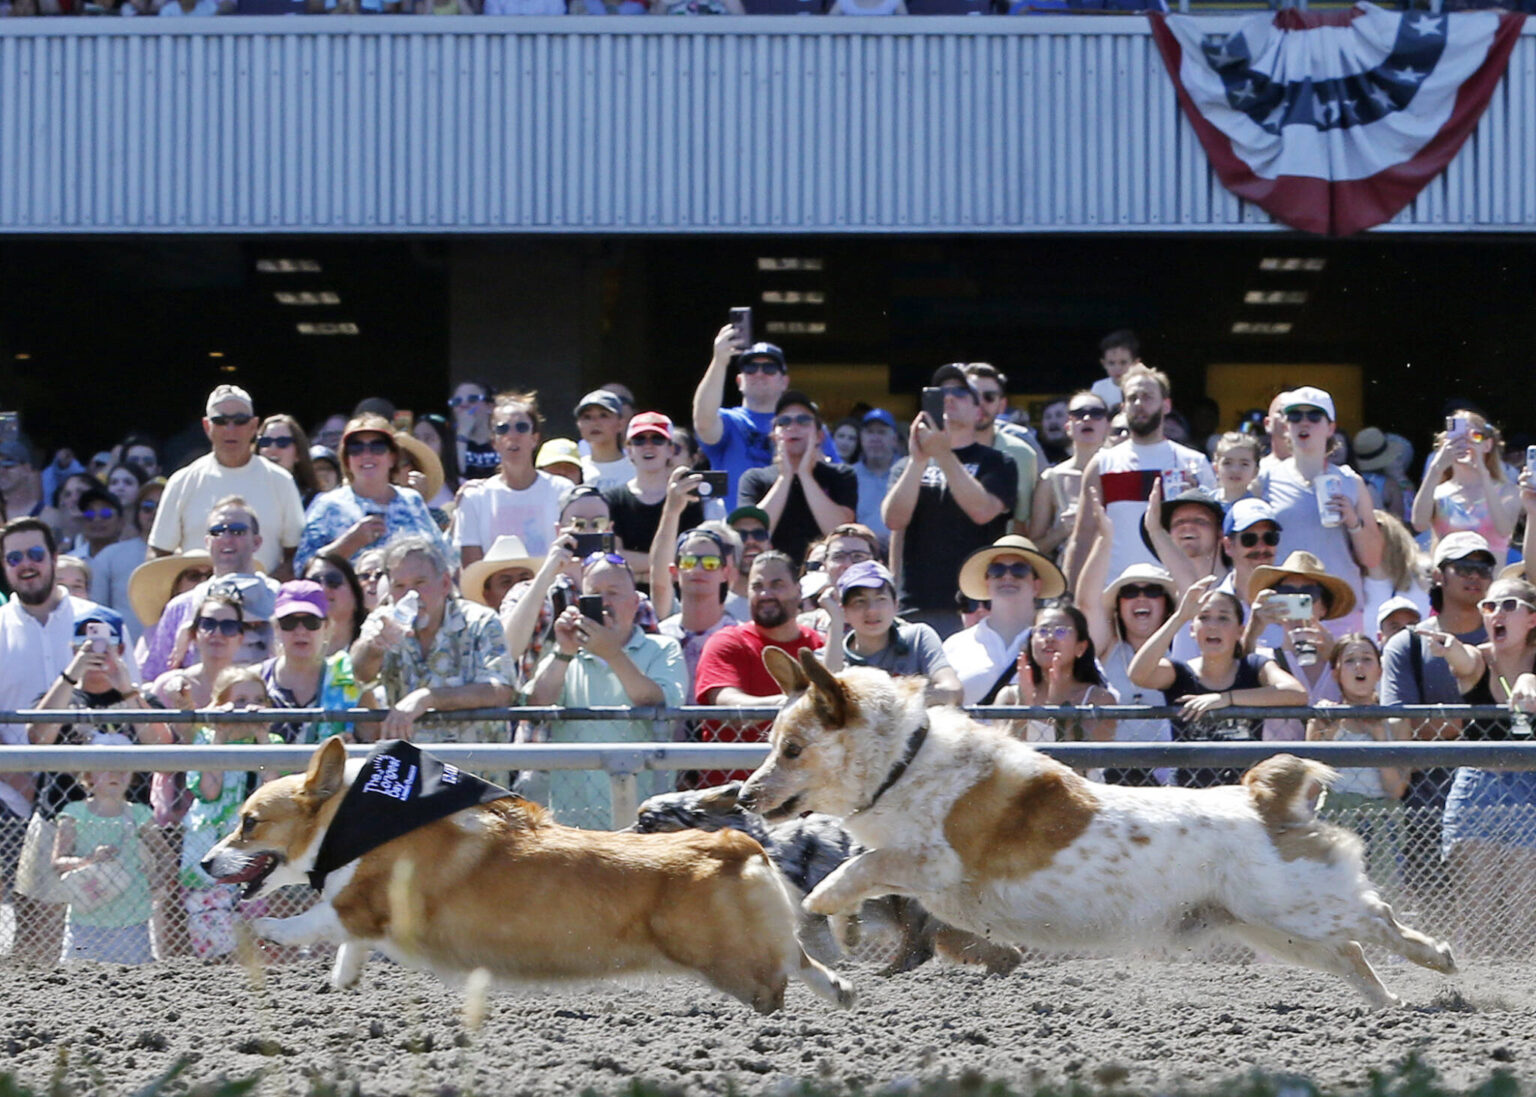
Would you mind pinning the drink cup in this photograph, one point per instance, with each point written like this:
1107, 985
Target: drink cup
1328, 485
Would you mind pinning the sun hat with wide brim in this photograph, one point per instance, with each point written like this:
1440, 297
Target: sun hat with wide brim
507, 551
1303, 565
973, 573
423, 458
149, 587
1140, 574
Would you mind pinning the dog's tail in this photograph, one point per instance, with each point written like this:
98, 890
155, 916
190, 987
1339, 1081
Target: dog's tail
1286, 789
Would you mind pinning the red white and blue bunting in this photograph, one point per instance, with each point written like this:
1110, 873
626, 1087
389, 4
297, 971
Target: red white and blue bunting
1333, 122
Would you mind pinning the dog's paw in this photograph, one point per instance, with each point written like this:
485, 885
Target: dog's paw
271, 929
827, 903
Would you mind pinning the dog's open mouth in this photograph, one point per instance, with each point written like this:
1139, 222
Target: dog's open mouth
787, 810
254, 874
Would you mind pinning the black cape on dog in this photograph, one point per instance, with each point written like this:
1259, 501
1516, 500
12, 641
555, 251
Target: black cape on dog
401, 787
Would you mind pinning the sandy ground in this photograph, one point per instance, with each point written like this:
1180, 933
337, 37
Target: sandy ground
1148, 1026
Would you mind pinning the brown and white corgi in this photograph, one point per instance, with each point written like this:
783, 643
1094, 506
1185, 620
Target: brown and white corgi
502, 887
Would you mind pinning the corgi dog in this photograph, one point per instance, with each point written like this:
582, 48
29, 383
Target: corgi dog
502, 887
997, 838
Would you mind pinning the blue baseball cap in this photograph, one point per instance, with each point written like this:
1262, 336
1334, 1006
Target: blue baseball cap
1246, 513
879, 415
100, 615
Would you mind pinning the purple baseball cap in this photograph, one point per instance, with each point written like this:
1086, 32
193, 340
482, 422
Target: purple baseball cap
866, 573
301, 596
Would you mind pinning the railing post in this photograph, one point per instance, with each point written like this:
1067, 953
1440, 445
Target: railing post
622, 767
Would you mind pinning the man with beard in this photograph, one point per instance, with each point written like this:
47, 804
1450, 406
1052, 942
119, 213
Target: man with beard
1123, 475
1053, 432
731, 670
37, 630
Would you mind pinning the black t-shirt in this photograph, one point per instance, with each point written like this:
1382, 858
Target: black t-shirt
635, 522
1214, 729
797, 526
941, 535
54, 790
480, 461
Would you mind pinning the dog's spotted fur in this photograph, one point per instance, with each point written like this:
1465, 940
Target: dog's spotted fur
996, 838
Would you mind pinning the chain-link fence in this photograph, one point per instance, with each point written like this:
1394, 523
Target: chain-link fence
1449, 827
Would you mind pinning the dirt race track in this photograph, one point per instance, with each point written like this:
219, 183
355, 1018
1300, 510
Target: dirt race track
1145, 1025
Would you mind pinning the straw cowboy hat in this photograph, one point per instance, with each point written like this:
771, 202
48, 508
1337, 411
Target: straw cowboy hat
1303, 565
508, 551
423, 458
973, 573
149, 587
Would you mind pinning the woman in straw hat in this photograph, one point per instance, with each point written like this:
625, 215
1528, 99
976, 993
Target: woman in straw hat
368, 509
1011, 574
1220, 677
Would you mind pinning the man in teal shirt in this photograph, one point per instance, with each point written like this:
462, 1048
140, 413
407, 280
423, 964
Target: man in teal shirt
613, 662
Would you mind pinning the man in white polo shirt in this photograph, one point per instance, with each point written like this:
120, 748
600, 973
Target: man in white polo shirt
231, 469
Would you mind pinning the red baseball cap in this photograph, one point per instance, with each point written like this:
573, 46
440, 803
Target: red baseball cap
649, 422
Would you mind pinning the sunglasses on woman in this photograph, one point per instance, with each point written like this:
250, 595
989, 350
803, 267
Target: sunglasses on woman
1142, 590
1508, 605
1093, 411
306, 621
796, 419
1055, 632
275, 441
1248, 539
470, 400
210, 625
332, 579
1017, 571
377, 447
522, 426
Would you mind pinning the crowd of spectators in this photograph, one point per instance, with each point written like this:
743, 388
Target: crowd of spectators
468, 561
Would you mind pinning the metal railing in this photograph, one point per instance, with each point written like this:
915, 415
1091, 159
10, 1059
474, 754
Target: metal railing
1456, 855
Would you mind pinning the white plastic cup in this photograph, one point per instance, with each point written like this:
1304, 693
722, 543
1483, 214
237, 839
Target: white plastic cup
1328, 485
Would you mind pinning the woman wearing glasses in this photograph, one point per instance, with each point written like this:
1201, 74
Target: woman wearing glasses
1055, 503
520, 499
302, 674
1058, 667
1487, 836
1466, 485
367, 510
283, 442
346, 600
1338, 527
471, 408
215, 632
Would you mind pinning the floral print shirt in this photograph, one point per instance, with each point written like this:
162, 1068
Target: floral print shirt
469, 647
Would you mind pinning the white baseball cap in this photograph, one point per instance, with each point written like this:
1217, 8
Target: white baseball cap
1394, 605
1309, 396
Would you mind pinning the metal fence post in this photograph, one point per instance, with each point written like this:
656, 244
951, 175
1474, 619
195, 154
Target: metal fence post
623, 767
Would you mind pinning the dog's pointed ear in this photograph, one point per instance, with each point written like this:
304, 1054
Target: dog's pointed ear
786, 672
327, 770
832, 701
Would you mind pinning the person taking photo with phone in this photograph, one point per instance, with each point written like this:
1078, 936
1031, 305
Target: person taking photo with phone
1466, 486
602, 657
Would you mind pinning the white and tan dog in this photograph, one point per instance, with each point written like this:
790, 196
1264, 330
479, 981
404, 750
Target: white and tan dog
997, 838
502, 887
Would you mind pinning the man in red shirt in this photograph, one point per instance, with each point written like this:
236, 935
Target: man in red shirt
731, 670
